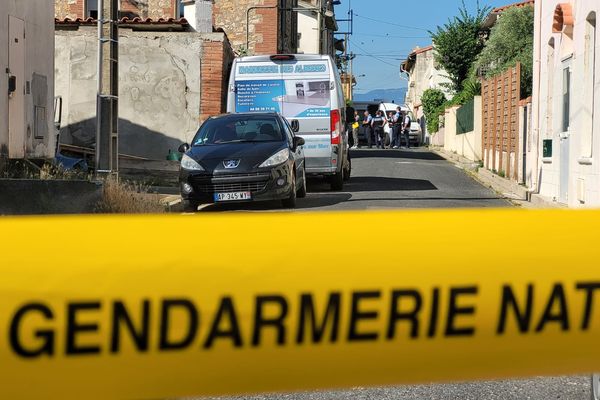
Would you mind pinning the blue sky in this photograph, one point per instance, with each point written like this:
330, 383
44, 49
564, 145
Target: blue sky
377, 34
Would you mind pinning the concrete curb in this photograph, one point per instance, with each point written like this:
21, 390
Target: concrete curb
512, 191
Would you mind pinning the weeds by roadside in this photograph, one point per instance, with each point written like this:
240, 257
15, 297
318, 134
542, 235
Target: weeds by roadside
120, 197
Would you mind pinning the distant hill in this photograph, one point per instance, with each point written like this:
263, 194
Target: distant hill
396, 95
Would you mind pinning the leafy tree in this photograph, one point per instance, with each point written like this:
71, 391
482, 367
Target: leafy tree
458, 43
511, 41
433, 101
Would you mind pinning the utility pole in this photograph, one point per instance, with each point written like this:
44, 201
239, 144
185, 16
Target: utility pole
319, 27
351, 75
107, 100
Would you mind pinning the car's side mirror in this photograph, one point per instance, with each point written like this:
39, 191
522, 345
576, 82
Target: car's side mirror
298, 141
295, 124
183, 148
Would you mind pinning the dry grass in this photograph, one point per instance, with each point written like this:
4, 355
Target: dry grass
128, 198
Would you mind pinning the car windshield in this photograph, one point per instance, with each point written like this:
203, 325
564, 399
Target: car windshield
238, 129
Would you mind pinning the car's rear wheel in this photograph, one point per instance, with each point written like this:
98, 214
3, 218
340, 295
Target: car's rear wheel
190, 206
290, 202
302, 191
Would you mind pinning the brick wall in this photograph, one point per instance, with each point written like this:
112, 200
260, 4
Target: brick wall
265, 36
267, 30
217, 57
131, 8
69, 9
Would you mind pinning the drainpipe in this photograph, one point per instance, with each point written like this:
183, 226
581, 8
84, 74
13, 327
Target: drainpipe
319, 25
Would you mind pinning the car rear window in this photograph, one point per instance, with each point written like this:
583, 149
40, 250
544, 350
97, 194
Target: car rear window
239, 129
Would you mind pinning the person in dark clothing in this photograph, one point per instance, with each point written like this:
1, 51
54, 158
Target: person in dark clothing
366, 123
377, 124
349, 122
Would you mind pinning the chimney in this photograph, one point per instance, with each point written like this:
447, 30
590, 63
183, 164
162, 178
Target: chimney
199, 14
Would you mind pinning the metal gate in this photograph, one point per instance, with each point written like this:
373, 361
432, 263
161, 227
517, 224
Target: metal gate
500, 100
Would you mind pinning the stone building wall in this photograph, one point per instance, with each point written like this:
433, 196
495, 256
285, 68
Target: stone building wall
265, 33
69, 9
168, 83
154, 9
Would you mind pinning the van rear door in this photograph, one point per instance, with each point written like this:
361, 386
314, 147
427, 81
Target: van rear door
307, 99
298, 89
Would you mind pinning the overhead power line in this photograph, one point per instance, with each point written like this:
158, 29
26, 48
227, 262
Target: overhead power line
392, 23
391, 36
366, 53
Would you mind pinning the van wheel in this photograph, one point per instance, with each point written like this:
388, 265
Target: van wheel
290, 202
337, 181
348, 170
302, 191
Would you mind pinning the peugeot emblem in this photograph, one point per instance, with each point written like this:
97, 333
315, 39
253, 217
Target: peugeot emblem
231, 164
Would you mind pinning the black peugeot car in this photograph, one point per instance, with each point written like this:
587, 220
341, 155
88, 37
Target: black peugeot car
243, 157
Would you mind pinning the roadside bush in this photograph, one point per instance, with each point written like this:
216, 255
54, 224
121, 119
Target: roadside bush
433, 101
128, 198
458, 43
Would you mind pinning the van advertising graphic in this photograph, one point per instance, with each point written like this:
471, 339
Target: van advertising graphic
260, 95
303, 90
292, 98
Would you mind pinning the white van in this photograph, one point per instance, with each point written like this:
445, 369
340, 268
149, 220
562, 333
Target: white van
301, 87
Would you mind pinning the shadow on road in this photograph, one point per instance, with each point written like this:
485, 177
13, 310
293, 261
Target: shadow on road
383, 184
414, 154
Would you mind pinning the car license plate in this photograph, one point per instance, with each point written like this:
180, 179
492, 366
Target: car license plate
233, 196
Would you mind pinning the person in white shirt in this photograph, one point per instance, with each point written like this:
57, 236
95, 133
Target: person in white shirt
397, 128
406, 129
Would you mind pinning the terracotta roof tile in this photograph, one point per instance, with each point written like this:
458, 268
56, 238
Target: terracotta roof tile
519, 4
421, 50
124, 21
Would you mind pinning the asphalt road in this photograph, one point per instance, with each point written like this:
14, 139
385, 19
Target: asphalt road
559, 388
415, 178
392, 179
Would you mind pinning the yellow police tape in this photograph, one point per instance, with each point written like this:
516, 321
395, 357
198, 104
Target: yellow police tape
154, 307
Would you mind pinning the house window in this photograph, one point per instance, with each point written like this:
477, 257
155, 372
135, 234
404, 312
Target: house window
91, 9
590, 79
566, 96
180, 9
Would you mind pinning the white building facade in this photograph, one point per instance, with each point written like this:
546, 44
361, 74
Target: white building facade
27, 85
316, 26
566, 103
423, 73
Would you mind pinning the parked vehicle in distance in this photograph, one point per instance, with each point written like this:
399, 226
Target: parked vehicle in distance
415, 135
243, 157
303, 87
361, 107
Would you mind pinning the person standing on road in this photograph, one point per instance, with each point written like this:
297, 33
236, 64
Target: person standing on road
390, 122
367, 127
349, 121
397, 128
406, 128
377, 124
355, 126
